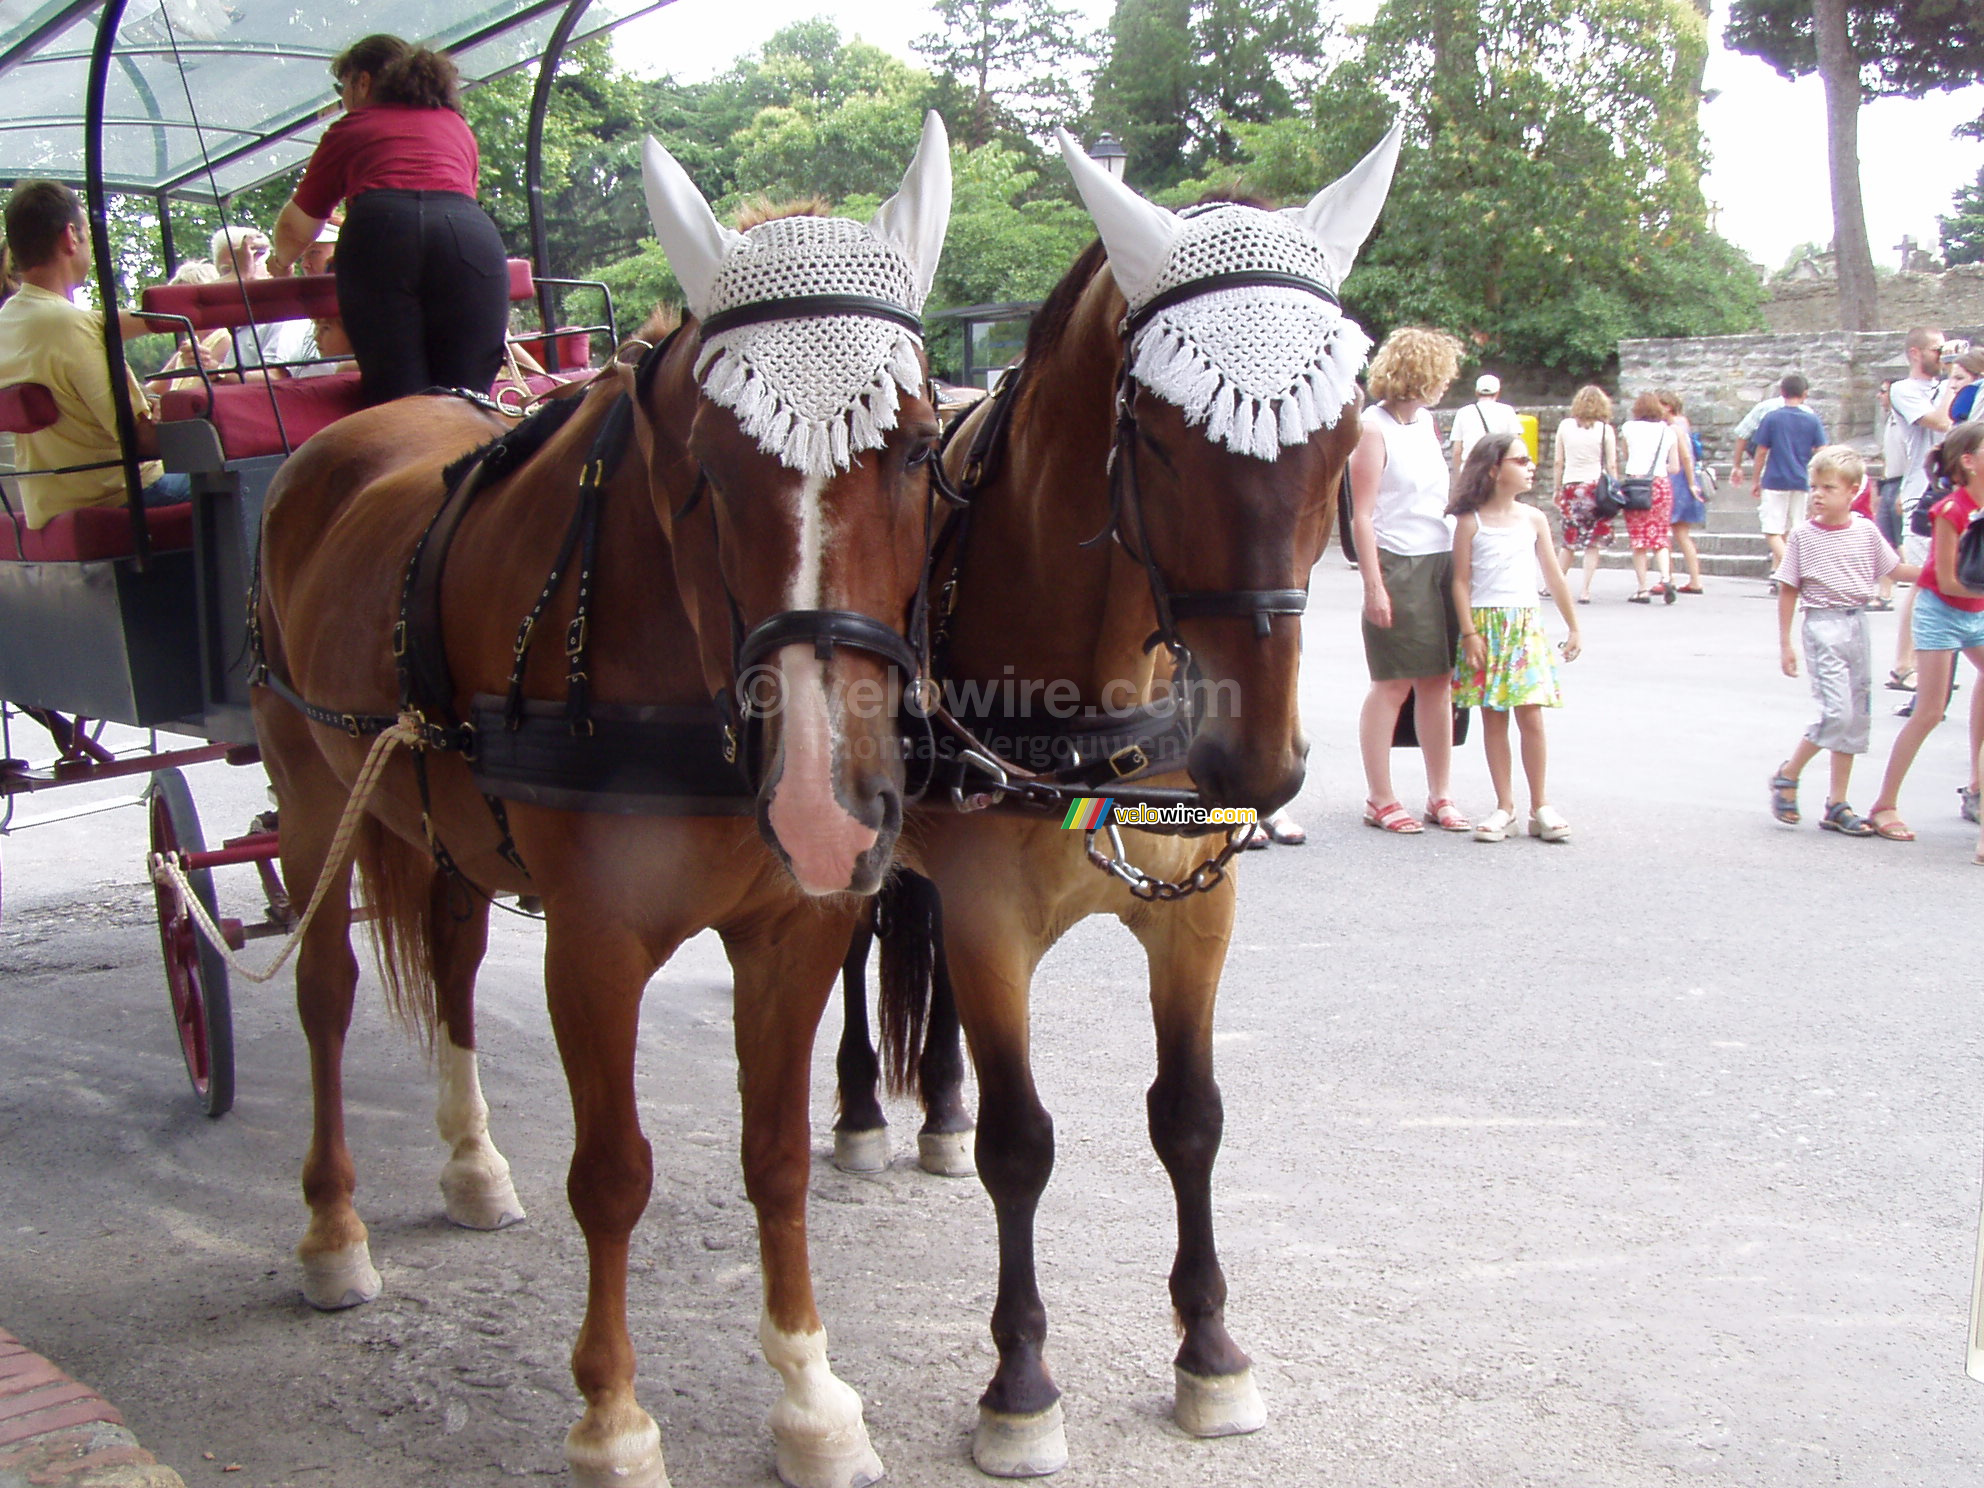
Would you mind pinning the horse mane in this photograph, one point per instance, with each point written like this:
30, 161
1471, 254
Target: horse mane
1051, 319
759, 210
507, 451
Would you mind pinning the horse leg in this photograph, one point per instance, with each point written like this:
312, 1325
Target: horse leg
337, 1262
595, 972
861, 1134
783, 979
1020, 1430
943, 1146
1186, 946
475, 1183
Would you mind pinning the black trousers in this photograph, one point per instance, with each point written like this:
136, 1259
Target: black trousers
424, 290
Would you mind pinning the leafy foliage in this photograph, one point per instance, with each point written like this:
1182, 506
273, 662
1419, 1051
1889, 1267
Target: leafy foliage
1904, 47
1545, 204
1005, 68
1963, 229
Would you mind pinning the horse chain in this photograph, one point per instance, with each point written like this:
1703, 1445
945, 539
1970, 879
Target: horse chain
1208, 876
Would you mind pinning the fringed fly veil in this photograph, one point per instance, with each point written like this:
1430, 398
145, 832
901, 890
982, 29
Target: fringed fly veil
1261, 366
814, 392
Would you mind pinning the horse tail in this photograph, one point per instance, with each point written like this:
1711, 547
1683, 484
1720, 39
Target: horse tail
909, 918
398, 895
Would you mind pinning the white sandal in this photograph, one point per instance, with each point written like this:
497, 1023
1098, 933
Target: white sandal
1548, 823
1494, 827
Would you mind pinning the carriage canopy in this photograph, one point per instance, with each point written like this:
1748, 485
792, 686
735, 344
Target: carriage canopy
206, 98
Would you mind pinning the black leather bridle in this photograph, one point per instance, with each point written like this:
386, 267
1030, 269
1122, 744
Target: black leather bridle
1125, 492
825, 630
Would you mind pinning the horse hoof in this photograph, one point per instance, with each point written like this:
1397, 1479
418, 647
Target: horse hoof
862, 1151
849, 1463
1218, 1405
616, 1448
476, 1201
336, 1279
1020, 1446
947, 1154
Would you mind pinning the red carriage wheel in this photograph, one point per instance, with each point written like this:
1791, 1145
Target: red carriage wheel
195, 973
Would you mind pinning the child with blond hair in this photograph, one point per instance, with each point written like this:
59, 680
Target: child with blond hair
1834, 563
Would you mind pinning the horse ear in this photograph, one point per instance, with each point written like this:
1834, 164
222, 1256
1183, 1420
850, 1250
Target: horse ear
1342, 214
916, 217
1137, 234
690, 235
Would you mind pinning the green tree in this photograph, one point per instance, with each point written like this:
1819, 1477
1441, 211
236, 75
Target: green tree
1143, 91
1543, 205
839, 146
1861, 49
1254, 58
1005, 67
1963, 229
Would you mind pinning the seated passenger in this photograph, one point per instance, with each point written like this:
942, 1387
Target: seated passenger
303, 341
243, 253
207, 350
46, 337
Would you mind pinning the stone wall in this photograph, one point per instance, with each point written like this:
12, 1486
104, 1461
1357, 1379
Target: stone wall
1720, 377
1955, 295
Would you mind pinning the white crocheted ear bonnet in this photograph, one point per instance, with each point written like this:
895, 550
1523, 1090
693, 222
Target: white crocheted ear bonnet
817, 391
1260, 366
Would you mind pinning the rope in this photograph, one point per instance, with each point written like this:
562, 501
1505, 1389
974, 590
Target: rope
168, 870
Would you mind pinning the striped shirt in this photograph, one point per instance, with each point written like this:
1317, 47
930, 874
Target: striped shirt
1836, 568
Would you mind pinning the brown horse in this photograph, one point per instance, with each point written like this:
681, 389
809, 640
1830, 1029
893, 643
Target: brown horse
743, 528
1229, 436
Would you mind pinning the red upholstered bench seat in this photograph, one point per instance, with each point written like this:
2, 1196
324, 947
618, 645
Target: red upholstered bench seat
94, 532
245, 415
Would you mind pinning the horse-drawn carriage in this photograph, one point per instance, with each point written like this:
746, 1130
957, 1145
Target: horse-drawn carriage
791, 620
139, 618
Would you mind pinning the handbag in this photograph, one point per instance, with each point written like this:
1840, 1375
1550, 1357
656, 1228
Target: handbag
1605, 503
1969, 556
1405, 733
1636, 491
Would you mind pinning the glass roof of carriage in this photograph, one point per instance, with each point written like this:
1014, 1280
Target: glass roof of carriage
209, 97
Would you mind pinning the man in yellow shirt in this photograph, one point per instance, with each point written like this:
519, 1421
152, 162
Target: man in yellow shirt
46, 337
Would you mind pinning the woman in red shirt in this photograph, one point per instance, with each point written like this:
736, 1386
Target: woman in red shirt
423, 278
1948, 617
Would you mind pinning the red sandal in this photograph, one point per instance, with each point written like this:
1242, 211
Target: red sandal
1447, 816
1390, 818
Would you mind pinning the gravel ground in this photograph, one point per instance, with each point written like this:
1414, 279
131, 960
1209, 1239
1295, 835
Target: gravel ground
1648, 1159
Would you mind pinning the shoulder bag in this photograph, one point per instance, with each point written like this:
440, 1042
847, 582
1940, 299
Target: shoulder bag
1636, 491
1605, 503
1970, 555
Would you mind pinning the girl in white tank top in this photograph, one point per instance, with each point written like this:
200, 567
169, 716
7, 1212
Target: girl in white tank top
1502, 551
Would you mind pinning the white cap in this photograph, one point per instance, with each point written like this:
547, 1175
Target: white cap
1488, 384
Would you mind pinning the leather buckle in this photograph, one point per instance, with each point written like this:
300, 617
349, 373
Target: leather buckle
399, 638
729, 745
350, 721
1128, 760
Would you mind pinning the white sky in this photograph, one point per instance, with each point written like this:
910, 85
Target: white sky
1766, 136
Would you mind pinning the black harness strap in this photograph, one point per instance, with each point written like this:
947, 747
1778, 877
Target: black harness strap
800, 307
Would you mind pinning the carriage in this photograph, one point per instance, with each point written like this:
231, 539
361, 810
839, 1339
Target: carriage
139, 618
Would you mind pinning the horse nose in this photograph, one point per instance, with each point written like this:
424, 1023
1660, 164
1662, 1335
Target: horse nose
1225, 776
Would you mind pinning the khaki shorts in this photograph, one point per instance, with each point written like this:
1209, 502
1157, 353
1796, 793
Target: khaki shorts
1423, 635
1780, 511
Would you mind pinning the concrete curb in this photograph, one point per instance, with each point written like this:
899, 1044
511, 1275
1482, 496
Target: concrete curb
57, 1431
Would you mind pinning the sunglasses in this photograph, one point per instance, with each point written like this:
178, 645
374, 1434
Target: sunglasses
1521, 459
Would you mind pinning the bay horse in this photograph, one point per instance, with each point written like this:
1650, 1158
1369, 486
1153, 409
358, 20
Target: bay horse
756, 523
1187, 390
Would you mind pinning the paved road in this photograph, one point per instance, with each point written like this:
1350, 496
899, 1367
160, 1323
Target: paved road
1649, 1159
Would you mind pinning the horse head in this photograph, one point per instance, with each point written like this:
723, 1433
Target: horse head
805, 435
1236, 414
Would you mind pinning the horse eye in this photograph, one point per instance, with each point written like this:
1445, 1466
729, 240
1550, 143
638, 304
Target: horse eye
922, 454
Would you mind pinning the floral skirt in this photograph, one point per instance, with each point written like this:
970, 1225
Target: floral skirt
1520, 670
1653, 529
1582, 527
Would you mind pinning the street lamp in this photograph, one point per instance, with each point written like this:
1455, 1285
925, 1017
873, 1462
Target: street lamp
1108, 152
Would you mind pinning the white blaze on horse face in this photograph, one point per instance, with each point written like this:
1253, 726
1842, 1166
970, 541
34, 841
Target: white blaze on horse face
821, 840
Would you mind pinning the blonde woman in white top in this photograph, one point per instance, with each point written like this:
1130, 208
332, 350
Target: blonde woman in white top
1586, 446
1404, 538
